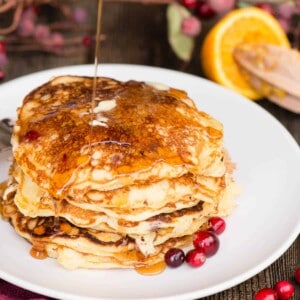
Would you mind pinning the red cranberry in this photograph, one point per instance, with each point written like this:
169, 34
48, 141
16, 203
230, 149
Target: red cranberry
57, 40
196, 257
204, 10
266, 294
2, 47
79, 15
2, 75
32, 135
217, 225
191, 26
285, 290
26, 27
207, 241
297, 275
174, 257
87, 41
3, 59
41, 32
221, 6
266, 7
189, 4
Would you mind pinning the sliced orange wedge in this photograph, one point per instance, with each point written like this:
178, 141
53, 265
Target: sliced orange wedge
245, 25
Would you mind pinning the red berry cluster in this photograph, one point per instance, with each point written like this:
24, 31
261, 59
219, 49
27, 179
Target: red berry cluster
283, 290
205, 9
206, 243
287, 13
53, 41
32, 31
202, 10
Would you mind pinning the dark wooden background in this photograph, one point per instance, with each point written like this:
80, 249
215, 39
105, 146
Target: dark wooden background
136, 34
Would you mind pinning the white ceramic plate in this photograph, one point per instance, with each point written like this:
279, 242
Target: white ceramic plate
264, 224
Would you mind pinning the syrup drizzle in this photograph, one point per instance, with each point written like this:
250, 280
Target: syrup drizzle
56, 215
96, 62
154, 269
93, 105
38, 250
3, 186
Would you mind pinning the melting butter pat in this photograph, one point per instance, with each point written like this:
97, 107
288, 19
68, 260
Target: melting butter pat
98, 123
65, 80
105, 105
158, 86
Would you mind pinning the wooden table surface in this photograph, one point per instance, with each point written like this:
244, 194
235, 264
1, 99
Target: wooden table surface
136, 34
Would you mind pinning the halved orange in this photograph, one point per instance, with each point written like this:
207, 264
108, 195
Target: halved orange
244, 25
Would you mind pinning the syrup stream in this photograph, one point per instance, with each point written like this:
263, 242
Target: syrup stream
94, 89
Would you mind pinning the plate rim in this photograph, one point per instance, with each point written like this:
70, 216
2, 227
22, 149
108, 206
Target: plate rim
204, 292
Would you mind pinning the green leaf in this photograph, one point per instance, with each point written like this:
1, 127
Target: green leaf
181, 44
242, 4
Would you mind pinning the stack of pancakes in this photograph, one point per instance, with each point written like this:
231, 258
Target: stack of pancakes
117, 181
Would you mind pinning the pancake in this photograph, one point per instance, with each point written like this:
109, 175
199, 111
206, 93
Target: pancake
76, 247
116, 183
171, 195
147, 233
140, 133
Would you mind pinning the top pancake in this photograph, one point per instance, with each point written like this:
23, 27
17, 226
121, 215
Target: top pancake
136, 132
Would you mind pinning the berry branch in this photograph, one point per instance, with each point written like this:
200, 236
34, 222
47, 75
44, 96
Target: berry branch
28, 30
18, 6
